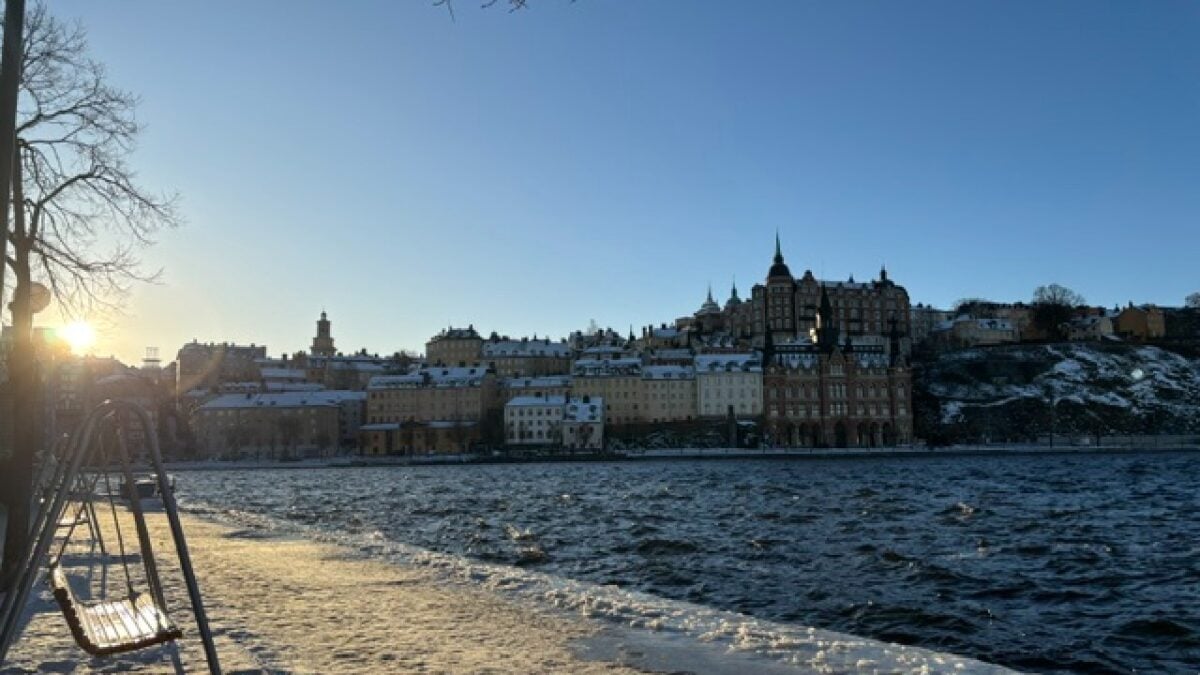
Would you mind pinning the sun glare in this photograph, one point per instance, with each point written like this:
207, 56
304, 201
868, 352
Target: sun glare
79, 335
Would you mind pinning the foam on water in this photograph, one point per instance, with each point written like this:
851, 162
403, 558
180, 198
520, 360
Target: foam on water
658, 632
1052, 564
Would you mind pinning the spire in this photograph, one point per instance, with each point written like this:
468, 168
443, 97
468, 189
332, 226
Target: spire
733, 290
710, 292
779, 269
827, 333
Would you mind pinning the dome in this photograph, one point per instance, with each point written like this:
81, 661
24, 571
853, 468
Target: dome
710, 306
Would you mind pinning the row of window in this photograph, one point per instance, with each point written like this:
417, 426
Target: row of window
537, 412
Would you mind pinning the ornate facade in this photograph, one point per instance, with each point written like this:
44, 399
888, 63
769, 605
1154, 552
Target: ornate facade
822, 391
786, 308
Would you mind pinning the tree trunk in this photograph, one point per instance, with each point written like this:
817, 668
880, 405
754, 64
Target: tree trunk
26, 398
15, 476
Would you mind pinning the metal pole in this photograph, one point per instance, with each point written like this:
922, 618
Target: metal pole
10, 81
185, 559
17, 477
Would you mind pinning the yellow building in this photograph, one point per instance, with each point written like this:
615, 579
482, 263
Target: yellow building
549, 385
419, 438
668, 393
448, 404
1141, 323
454, 347
525, 357
617, 381
287, 424
432, 393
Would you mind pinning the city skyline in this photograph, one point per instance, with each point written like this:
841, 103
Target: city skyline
492, 170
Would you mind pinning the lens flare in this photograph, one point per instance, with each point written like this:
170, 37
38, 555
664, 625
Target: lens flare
79, 335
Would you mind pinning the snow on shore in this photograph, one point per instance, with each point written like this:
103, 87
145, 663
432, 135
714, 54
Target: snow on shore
286, 599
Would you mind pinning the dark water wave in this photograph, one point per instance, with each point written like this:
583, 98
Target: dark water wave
1053, 564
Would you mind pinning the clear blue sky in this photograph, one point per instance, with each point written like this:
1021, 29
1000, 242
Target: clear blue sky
529, 171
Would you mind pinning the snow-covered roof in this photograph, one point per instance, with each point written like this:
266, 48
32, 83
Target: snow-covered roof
673, 353
706, 363
994, 324
665, 332
600, 350
287, 399
668, 373
528, 401
795, 360
295, 386
282, 373
432, 376
526, 349
606, 367
381, 426
545, 381
450, 424
578, 411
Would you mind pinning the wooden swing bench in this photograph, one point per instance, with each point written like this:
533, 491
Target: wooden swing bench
138, 618
113, 626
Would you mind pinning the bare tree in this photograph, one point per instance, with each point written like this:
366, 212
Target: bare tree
1052, 308
79, 213
513, 5
1192, 301
1055, 294
976, 307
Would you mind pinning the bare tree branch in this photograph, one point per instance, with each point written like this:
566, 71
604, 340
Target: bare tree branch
75, 132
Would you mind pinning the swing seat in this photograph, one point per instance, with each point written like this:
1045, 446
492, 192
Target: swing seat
114, 626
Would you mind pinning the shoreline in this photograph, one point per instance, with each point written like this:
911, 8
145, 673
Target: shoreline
682, 454
281, 601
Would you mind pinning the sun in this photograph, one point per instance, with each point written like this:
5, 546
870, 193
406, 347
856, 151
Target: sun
79, 335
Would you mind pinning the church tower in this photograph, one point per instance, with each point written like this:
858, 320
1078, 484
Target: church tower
322, 344
779, 303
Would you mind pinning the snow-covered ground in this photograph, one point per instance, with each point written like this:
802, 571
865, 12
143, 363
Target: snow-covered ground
282, 602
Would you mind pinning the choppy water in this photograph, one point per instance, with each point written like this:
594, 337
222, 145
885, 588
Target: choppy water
1051, 563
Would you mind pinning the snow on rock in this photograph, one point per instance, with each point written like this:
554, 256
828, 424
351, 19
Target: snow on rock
1140, 387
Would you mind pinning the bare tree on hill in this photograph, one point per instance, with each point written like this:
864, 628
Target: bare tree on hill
1053, 307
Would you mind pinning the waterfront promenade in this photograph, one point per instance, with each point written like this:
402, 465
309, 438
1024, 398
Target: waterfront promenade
289, 604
